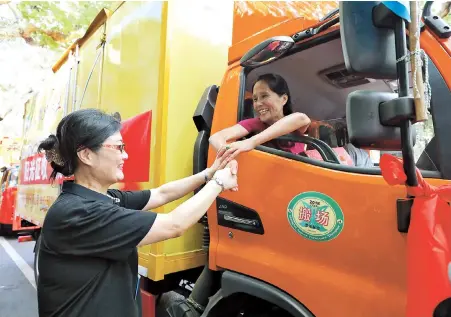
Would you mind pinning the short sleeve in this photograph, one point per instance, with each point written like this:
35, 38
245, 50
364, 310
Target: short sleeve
131, 199
98, 229
252, 125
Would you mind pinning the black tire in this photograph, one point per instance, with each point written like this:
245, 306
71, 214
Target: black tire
176, 305
36, 257
6, 230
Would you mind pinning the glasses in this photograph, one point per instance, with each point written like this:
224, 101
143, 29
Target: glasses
120, 147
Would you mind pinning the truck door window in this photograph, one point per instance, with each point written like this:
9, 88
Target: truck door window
319, 85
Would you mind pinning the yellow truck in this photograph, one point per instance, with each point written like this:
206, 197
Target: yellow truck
150, 63
9, 151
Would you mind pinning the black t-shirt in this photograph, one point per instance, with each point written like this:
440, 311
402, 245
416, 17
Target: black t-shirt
88, 261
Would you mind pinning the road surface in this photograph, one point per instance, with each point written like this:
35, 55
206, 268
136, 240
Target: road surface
17, 289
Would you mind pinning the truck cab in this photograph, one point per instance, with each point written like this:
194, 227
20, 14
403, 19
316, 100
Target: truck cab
306, 235
311, 235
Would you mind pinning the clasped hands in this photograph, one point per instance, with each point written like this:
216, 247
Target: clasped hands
225, 168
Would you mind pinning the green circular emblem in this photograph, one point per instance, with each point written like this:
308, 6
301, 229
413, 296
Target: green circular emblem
315, 216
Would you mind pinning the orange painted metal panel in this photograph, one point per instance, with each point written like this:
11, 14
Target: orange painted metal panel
362, 267
252, 17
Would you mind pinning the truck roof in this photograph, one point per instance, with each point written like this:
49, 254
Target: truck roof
255, 21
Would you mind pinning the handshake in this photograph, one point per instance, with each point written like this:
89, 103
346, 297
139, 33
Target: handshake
225, 169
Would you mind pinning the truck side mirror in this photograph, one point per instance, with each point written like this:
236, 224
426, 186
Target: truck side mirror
267, 51
373, 119
368, 50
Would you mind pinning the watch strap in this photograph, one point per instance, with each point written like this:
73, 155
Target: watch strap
219, 182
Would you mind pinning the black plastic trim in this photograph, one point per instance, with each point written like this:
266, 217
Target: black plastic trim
443, 309
434, 22
242, 93
427, 9
330, 14
383, 17
438, 26
298, 47
327, 25
233, 283
334, 166
238, 217
203, 115
259, 47
322, 147
394, 111
302, 35
200, 151
203, 118
403, 212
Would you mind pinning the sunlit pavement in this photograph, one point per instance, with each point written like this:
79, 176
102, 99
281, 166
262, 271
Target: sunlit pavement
17, 294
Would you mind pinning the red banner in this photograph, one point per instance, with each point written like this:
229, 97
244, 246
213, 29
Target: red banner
428, 240
136, 133
36, 170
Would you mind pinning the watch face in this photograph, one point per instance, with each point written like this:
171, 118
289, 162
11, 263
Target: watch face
219, 181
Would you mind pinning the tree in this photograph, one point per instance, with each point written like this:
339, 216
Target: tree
445, 11
32, 37
55, 24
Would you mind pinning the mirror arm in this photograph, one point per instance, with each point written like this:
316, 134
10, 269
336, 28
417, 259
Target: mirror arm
403, 91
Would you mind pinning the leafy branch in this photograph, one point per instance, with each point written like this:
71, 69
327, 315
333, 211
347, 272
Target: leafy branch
55, 24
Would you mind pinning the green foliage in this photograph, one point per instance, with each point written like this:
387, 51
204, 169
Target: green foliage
448, 19
53, 24
56, 24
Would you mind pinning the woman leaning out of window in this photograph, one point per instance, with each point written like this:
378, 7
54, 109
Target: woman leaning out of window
275, 118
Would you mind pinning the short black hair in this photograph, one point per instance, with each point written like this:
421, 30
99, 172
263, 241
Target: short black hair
85, 128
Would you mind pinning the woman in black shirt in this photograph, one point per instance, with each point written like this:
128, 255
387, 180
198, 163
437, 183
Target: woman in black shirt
88, 259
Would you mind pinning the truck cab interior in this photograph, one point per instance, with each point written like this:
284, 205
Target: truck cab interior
320, 84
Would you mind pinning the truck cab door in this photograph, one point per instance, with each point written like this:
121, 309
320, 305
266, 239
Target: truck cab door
325, 234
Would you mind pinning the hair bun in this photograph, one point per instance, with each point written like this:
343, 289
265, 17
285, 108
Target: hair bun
49, 143
51, 148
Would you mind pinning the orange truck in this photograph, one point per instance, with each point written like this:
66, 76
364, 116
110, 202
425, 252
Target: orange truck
8, 190
305, 235
9, 156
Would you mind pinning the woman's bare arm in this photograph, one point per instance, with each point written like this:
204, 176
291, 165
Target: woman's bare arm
294, 122
220, 138
175, 223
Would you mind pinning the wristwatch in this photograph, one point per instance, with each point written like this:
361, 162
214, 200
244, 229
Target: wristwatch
219, 182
